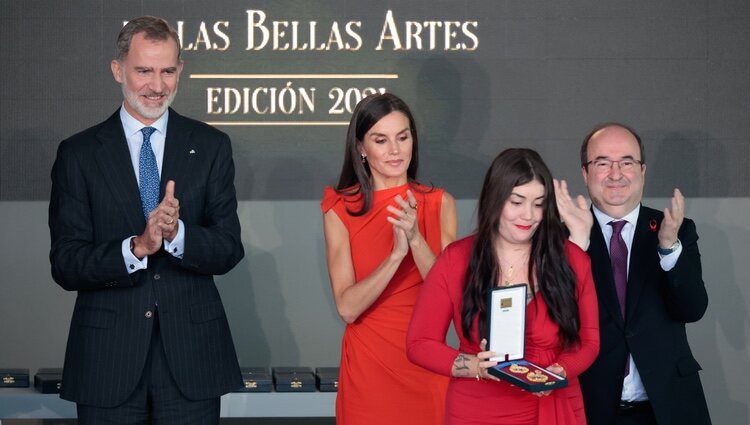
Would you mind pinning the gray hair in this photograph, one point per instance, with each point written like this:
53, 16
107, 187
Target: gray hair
155, 29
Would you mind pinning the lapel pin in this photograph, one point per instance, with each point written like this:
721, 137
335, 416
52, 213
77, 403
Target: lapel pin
652, 225
192, 151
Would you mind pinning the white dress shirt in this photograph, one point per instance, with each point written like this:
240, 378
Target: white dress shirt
134, 137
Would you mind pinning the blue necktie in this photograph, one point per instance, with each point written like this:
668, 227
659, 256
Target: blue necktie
148, 174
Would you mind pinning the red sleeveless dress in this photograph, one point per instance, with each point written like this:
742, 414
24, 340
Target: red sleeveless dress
377, 383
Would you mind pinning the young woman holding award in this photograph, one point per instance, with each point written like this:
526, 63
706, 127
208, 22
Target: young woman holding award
383, 231
519, 241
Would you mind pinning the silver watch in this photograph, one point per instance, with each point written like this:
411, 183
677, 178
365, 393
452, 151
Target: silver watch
671, 249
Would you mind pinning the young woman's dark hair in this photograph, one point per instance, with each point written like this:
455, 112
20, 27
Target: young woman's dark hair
547, 263
355, 178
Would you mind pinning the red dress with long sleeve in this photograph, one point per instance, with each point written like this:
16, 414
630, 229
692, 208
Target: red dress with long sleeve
377, 383
490, 402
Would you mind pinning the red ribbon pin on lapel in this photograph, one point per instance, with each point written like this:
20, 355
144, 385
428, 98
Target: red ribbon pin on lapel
652, 225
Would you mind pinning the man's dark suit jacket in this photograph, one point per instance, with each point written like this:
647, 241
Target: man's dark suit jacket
95, 204
658, 305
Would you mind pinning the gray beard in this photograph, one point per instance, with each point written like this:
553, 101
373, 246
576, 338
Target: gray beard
150, 113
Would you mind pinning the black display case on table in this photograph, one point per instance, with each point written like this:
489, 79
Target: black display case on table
255, 380
48, 380
293, 379
14, 378
327, 379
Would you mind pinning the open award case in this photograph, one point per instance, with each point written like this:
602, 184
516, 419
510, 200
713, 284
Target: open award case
506, 315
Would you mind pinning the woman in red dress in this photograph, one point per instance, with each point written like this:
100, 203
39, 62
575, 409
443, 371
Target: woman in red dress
383, 231
519, 240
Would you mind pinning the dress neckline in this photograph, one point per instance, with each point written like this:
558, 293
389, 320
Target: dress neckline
390, 191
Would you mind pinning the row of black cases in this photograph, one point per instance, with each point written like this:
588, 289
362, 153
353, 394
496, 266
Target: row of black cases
290, 379
255, 379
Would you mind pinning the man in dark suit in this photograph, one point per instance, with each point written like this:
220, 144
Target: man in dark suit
647, 271
149, 339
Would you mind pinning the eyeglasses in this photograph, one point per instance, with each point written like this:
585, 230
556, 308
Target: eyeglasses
602, 165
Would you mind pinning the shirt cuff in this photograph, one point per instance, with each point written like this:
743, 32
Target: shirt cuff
668, 261
132, 263
176, 248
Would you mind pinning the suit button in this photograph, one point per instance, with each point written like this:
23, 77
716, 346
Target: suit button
149, 314
157, 276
